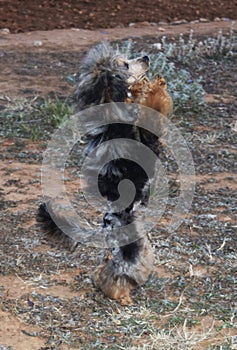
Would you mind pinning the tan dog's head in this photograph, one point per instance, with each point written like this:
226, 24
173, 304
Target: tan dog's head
137, 69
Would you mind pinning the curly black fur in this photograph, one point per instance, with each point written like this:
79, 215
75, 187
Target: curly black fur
103, 78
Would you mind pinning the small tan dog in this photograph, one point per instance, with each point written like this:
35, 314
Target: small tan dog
152, 94
148, 93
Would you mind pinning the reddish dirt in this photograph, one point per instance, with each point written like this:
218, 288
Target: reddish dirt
34, 272
28, 15
31, 69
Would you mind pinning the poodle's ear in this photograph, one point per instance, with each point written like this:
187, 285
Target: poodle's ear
94, 90
101, 79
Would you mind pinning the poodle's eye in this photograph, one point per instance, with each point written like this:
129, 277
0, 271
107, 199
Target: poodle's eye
126, 65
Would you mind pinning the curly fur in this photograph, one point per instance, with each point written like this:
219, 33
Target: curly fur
104, 77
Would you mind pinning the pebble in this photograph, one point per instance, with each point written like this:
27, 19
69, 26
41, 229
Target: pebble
181, 21
4, 31
195, 21
38, 43
157, 46
207, 216
142, 24
203, 20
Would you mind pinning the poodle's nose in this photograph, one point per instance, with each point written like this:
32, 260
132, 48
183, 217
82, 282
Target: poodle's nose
145, 59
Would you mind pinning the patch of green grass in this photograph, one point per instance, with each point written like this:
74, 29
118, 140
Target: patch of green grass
33, 118
56, 112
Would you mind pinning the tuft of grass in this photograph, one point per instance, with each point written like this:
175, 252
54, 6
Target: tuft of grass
185, 50
56, 112
34, 118
148, 332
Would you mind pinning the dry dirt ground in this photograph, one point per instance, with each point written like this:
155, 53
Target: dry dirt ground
47, 297
20, 15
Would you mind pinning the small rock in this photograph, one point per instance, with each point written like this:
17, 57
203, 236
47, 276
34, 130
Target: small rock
211, 216
203, 20
181, 21
4, 31
38, 43
141, 24
217, 19
157, 46
161, 29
